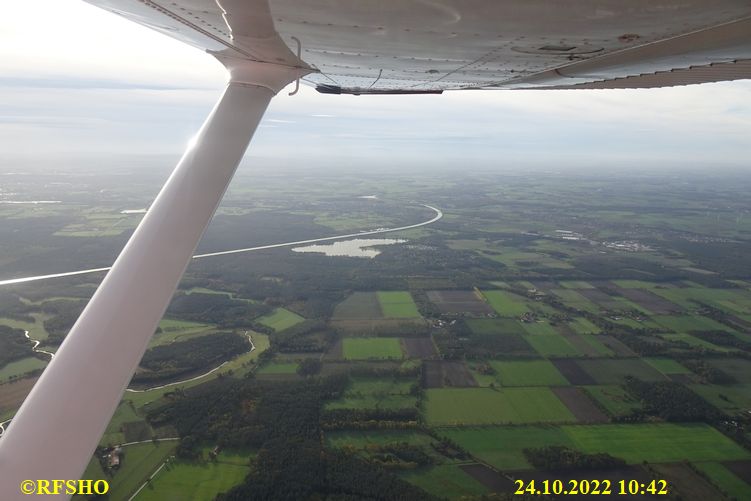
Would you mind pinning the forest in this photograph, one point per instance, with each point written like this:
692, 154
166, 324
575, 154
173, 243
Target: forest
183, 357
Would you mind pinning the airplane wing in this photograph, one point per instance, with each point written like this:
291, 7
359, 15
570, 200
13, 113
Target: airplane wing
340, 47
436, 45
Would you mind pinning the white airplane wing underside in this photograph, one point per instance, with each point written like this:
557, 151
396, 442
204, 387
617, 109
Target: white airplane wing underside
435, 45
339, 46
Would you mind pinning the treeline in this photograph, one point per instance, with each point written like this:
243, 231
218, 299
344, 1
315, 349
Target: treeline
647, 347
399, 455
722, 338
365, 419
560, 458
722, 317
13, 345
175, 359
671, 401
382, 371
218, 309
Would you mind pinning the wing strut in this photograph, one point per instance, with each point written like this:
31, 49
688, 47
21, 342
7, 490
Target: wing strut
57, 428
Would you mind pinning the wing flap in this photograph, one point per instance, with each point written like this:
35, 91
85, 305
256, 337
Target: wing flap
716, 72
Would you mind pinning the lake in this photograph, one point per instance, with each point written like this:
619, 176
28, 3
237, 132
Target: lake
358, 247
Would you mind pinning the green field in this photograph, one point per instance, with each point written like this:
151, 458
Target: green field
731, 300
739, 368
444, 481
539, 328
593, 340
374, 393
138, 463
371, 348
181, 480
502, 446
369, 386
359, 305
581, 325
363, 439
694, 341
613, 371
281, 319
474, 406
391, 402
573, 299
522, 259
732, 399
178, 330
528, 373
725, 480
552, 346
615, 399
397, 304
656, 443
639, 284
20, 367
687, 323
506, 304
667, 365
576, 284
278, 368
125, 413
494, 326
36, 329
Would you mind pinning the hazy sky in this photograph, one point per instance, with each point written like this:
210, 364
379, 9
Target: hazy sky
75, 79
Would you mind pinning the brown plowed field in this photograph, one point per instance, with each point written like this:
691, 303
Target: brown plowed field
649, 300
692, 486
457, 301
573, 372
438, 374
742, 469
13, 394
577, 341
419, 347
336, 352
580, 405
620, 349
432, 374
490, 478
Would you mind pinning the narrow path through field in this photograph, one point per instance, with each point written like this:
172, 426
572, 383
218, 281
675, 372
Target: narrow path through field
438, 215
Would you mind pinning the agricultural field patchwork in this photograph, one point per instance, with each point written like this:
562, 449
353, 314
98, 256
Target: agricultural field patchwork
513, 322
